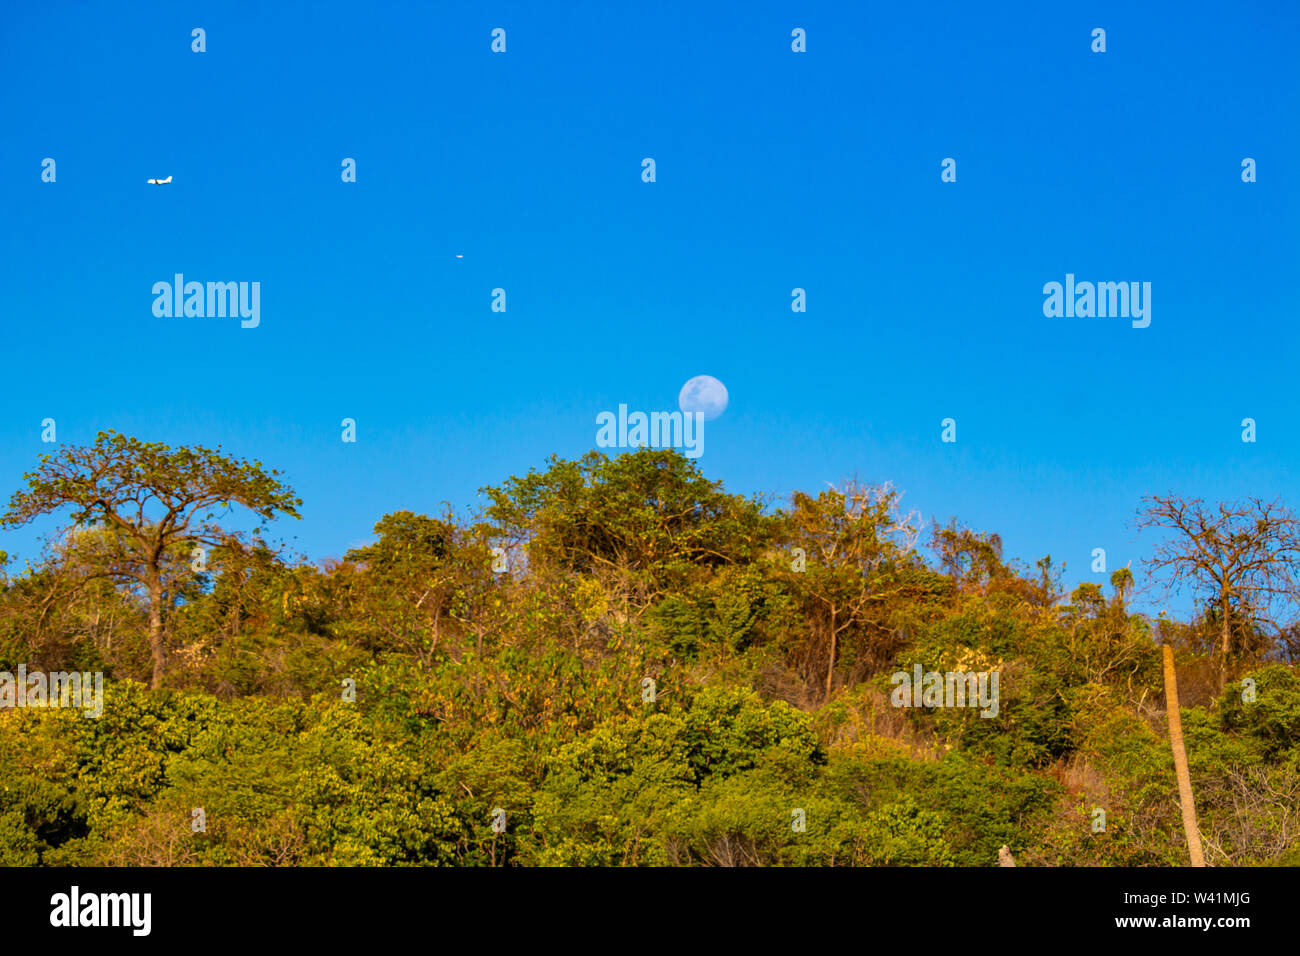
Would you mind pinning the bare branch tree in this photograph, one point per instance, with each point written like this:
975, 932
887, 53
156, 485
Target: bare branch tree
1243, 558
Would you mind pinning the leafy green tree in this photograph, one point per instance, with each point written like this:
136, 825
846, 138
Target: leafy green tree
644, 522
154, 502
860, 556
413, 586
971, 558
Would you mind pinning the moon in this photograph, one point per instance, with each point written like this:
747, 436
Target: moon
703, 393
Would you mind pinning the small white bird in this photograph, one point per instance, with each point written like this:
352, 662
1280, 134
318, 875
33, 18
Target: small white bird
459, 256
159, 182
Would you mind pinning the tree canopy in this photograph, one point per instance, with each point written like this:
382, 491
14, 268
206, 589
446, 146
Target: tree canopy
619, 662
149, 500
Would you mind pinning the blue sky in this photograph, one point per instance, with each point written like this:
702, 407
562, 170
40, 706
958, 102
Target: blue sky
775, 170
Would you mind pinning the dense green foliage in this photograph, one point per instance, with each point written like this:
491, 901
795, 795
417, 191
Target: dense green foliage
663, 674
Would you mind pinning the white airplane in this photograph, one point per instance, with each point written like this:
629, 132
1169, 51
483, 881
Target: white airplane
159, 182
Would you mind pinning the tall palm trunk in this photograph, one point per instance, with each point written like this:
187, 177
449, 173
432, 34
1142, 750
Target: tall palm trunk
1180, 760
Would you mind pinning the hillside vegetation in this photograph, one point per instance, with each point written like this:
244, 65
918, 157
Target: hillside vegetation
636, 666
